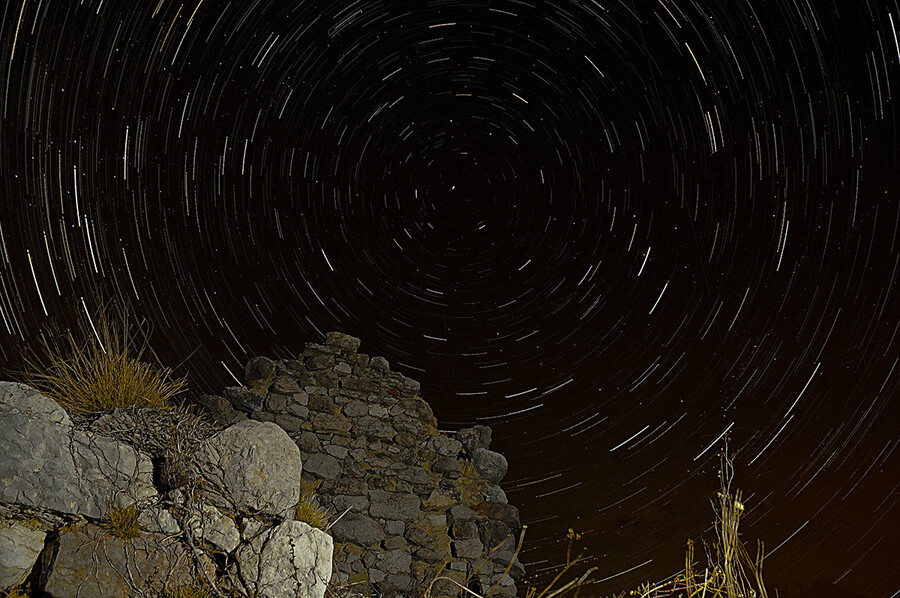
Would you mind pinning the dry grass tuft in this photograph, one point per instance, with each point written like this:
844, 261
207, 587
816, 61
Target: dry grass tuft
308, 510
103, 371
122, 522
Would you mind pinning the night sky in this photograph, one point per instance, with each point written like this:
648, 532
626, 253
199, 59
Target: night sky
615, 231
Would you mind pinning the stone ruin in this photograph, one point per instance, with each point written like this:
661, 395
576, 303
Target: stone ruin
415, 504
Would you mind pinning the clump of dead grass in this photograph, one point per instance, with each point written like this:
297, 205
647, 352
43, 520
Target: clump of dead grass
122, 522
308, 510
105, 364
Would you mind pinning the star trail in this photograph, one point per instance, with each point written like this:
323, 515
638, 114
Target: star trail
618, 232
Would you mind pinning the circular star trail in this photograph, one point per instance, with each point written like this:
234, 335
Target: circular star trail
616, 232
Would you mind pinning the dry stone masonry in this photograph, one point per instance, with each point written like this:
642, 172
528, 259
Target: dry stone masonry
415, 503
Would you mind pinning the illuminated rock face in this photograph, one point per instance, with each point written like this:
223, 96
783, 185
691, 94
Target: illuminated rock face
414, 498
81, 513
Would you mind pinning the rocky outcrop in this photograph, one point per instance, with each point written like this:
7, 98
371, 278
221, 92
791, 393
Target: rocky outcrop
47, 463
84, 513
411, 503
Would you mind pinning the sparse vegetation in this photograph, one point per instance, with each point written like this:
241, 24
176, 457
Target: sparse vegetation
122, 522
103, 370
308, 510
730, 573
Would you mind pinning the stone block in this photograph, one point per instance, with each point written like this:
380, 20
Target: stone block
342, 342
359, 529
325, 422
393, 505
323, 466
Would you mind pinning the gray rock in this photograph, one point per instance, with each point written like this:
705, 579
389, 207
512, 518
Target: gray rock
321, 402
276, 403
378, 411
395, 528
343, 368
326, 422
462, 513
470, 548
355, 486
289, 423
243, 400
404, 583
298, 410
436, 520
415, 475
262, 416
250, 528
299, 398
292, 559
357, 528
447, 465
496, 532
474, 438
259, 371
407, 384
375, 428
492, 466
394, 561
318, 362
342, 502
207, 523
344, 342
503, 557
88, 562
444, 445
501, 512
309, 442
20, 547
323, 466
379, 363
157, 520
221, 410
252, 467
429, 556
339, 452
464, 530
394, 543
495, 493
406, 423
48, 464
355, 409
393, 505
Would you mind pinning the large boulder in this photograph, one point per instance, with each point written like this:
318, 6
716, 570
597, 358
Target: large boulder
49, 464
252, 467
292, 559
89, 562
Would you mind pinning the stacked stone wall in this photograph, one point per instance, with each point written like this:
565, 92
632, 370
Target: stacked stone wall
416, 503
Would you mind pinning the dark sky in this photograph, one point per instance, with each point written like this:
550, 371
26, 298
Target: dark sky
615, 231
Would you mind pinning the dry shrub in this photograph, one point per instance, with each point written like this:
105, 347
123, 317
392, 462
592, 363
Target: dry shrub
101, 367
122, 522
308, 510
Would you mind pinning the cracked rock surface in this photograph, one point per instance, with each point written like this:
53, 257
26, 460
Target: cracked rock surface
80, 514
292, 559
252, 467
47, 463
